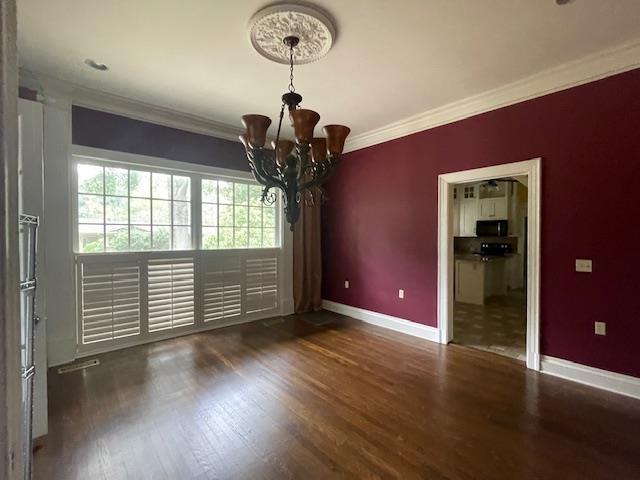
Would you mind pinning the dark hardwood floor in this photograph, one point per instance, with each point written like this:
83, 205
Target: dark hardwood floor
280, 400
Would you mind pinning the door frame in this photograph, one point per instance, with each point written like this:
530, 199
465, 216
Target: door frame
530, 168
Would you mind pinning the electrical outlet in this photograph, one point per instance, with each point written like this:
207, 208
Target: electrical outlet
583, 265
346, 284
400, 293
601, 328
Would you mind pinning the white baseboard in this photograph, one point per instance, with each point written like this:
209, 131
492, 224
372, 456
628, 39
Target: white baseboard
385, 321
594, 377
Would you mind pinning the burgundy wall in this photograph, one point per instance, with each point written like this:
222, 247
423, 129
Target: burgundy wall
92, 128
380, 223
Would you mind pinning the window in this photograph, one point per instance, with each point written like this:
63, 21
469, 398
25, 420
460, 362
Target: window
122, 209
177, 251
130, 209
233, 216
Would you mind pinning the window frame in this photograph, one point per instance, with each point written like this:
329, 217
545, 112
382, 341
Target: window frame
196, 173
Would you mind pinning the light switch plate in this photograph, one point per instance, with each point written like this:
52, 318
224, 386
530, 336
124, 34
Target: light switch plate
583, 265
601, 328
346, 284
400, 293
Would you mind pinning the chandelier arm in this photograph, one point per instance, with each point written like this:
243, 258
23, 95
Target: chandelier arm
328, 169
303, 159
256, 173
270, 179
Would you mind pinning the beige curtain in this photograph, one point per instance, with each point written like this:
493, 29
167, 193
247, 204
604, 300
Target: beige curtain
307, 259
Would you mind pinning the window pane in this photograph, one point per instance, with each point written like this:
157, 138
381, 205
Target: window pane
225, 215
140, 237
117, 238
209, 191
209, 214
255, 217
241, 195
226, 237
255, 237
225, 192
140, 183
210, 238
90, 179
269, 237
255, 195
91, 208
181, 188
182, 213
90, 238
161, 212
241, 217
116, 181
181, 238
116, 209
241, 238
269, 217
161, 238
161, 185
140, 211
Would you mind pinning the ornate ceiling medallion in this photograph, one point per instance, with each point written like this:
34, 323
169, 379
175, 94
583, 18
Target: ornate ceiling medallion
313, 28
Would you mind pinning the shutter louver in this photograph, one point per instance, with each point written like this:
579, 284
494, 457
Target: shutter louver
170, 293
222, 288
110, 301
261, 284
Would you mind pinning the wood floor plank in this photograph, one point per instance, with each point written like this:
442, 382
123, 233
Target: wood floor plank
290, 400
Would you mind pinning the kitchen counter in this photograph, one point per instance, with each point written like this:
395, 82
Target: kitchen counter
477, 257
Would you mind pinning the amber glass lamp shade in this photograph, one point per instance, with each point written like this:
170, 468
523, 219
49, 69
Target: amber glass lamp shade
283, 149
304, 121
336, 135
318, 149
256, 126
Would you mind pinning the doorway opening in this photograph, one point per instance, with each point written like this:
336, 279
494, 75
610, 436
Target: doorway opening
488, 259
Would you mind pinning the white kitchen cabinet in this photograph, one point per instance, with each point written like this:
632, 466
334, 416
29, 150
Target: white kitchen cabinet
456, 213
493, 209
469, 282
476, 280
467, 218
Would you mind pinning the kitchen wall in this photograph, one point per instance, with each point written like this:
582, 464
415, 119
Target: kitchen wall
380, 222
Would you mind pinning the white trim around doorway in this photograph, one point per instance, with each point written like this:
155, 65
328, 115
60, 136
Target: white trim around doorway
530, 168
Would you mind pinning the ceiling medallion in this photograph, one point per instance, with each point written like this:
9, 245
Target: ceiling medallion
300, 168
314, 30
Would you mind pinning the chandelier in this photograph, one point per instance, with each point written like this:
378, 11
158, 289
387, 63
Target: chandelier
297, 168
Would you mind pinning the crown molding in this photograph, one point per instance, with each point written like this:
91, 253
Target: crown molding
578, 72
50, 88
584, 70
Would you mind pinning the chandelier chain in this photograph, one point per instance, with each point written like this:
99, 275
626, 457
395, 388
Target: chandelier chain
291, 87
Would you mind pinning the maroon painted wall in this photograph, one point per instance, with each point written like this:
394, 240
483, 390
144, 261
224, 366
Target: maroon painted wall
380, 223
92, 128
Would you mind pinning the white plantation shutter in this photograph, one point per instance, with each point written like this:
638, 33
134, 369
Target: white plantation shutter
261, 284
222, 287
170, 293
109, 300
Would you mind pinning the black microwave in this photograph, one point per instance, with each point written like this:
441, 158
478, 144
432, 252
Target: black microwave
492, 228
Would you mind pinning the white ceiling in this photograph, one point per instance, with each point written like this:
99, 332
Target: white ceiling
391, 58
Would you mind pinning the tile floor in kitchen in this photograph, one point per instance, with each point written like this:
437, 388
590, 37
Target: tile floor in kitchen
499, 326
